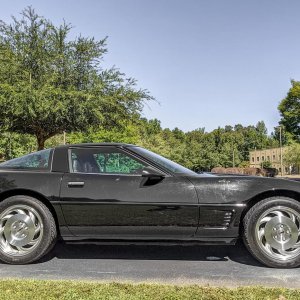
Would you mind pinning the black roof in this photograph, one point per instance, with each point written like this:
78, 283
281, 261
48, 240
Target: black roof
95, 145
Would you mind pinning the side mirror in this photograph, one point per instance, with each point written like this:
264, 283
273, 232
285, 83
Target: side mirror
151, 173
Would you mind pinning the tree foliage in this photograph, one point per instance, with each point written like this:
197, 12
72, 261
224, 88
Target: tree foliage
289, 109
50, 83
292, 155
197, 149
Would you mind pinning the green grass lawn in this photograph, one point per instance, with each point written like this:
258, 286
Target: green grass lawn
40, 289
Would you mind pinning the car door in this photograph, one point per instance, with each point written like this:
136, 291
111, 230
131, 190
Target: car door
105, 195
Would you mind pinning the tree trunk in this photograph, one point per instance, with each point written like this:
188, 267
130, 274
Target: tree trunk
40, 142
42, 138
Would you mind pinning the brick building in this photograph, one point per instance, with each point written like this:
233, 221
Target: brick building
257, 157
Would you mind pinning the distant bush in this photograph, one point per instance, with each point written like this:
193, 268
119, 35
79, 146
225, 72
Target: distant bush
267, 172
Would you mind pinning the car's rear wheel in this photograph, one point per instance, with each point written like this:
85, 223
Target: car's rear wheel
272, 232
27, 230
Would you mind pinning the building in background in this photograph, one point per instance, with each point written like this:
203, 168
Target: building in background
273, 156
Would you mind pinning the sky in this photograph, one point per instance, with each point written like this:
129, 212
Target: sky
208, 63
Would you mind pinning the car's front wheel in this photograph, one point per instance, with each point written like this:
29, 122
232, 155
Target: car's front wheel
27, 230
272, 232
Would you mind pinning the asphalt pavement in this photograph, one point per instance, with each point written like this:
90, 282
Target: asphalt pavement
206, 265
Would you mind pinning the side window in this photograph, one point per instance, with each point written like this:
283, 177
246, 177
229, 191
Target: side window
106, 160
38, 161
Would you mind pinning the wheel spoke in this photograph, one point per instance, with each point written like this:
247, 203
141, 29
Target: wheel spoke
261, 233
292, 216
265, 220
297, 245
4, 242
19, 249
22, 249
20, 211
282, 252
32, 217
278, 213
268, 247
32, 243
5, 218
8, 247
37, 229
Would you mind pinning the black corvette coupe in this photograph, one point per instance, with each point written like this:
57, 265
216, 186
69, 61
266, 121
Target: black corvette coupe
124, 192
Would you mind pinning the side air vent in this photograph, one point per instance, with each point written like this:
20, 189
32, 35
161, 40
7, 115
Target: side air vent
214, 218
227, 218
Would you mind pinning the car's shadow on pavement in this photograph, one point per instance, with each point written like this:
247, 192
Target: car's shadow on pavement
237, 253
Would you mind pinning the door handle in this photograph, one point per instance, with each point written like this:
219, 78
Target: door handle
76, 184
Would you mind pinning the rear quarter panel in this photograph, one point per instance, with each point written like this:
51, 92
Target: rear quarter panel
44, 184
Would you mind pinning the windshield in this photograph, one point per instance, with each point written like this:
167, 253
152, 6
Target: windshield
36, 161
162, 161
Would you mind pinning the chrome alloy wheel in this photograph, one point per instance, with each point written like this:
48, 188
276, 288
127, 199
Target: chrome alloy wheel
21, 230
277, 233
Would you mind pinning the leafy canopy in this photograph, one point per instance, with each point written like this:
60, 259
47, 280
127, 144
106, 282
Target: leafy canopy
197, 149
50, 83
289, 109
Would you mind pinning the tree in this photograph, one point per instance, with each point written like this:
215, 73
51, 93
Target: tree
289, 109
281, 133
198, 150
266, 164
50, 83
14, 145
261, 128
292, 155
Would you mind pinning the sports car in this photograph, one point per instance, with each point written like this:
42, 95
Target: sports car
121, 192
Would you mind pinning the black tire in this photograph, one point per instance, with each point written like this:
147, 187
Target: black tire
46, 235
255, 220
